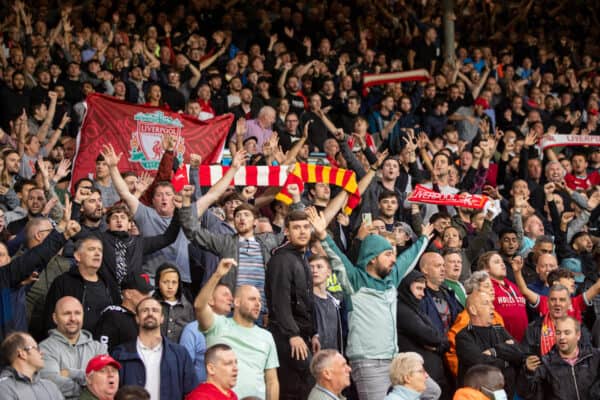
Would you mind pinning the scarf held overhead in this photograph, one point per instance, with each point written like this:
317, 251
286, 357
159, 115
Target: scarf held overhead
421, 194
261, 175
393, 77
316, 173
569, 140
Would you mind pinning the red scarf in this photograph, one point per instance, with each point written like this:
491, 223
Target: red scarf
548, 335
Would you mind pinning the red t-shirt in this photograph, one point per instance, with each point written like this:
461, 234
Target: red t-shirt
576, 183
510, 304
577, 307
208, 391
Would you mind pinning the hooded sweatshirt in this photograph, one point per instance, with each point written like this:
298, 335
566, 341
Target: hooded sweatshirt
14, 385
177, 315
59, 354
373, 300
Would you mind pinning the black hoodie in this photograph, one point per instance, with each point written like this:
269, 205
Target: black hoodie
417, 333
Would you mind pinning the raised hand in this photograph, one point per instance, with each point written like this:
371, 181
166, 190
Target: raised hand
110, 156
549, 189
381, 157
427, 230
143, 183
50, 205
240, 126
249, 192
239, 159
64, 167
72, 229
305, 130
195, 160
224, 266
517, 264
531, 138
317, 220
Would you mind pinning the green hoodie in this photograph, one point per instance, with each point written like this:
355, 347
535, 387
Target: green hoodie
372, 319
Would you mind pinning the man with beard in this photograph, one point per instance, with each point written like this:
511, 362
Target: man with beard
36, 201
69, 348
372, 283
254, 346
251, 252
569, 371
164, 368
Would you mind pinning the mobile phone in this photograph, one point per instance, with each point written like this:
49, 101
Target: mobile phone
367, 219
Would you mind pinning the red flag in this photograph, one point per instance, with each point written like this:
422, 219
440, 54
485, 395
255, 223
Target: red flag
137, 131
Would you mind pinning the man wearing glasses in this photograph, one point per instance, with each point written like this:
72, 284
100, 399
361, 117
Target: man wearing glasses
21, 379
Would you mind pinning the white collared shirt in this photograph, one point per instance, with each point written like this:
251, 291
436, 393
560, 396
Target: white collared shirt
151, 358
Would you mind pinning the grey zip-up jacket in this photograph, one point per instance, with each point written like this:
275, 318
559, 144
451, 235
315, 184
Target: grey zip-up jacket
59, 354
225, 246
14, 386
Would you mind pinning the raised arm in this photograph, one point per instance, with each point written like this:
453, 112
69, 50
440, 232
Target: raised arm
204, 314
43, 131
215, 192
112, 159
531, 296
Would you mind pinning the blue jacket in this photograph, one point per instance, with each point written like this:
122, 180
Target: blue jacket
177, 374
428, 307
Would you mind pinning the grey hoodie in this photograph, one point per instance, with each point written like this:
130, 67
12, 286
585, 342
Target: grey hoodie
14, 386
59, 354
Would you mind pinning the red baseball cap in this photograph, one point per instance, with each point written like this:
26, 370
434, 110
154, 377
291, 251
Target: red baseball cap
101, 361
482, 102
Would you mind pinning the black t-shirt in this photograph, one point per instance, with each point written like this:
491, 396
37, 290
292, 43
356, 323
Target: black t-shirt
96, 297
425, 54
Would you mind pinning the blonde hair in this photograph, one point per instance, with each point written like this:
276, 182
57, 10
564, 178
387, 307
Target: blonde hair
403, 365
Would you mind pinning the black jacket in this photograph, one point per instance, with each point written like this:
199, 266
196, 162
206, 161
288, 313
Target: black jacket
288, 288
555, 379
533, 335
471, 342
417, 333
137, 248
71, 283
116, 326
20, 268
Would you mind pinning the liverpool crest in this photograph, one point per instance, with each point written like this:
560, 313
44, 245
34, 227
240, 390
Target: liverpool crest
146, 141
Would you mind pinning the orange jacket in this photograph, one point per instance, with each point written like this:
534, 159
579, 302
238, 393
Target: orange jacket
462, 320
468, 393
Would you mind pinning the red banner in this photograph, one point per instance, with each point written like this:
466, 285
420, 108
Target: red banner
137, 131
421, 194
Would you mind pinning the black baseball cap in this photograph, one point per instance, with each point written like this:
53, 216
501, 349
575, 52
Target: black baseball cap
139, 282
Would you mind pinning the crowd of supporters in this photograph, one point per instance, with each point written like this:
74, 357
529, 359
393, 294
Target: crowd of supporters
116, 286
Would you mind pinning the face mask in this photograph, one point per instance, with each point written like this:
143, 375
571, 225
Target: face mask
495, 395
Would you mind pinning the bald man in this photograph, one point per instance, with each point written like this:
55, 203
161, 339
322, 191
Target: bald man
254, 346
69, 348
439, 303
545, 264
